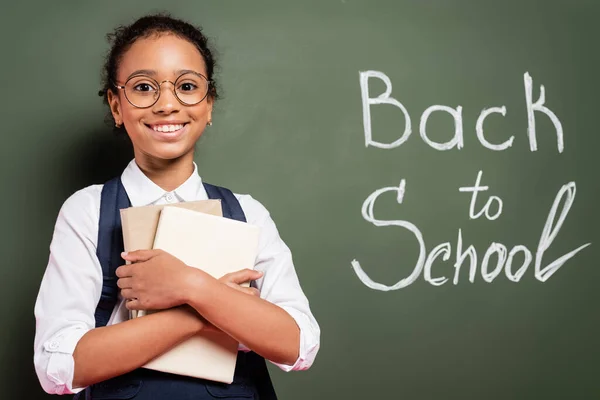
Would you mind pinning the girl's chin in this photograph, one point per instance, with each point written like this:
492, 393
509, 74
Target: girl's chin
163, 151
170, 152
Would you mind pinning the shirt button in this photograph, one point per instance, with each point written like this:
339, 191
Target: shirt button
53, 345
169, 197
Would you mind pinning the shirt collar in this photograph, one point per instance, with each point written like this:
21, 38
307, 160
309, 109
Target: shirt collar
142, 191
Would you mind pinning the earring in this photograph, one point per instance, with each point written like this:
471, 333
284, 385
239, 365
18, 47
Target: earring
209, 123
118, 125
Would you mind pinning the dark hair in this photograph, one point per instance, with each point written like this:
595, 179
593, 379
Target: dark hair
124, 36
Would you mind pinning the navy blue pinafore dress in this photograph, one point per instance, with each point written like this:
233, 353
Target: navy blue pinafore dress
251, 379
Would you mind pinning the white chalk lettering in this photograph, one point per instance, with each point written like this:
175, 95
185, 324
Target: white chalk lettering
367, 213
516, 277
549, 234
456, 141
497, 258
433, 254
460, 258
479, 129
500, 250
539, 106
486, 209
503, 262
383, 98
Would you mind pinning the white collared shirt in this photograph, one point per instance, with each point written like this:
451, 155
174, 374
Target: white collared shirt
72, 283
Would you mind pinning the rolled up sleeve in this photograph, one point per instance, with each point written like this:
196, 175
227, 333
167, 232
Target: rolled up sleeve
280, 285
68, 294
309, 341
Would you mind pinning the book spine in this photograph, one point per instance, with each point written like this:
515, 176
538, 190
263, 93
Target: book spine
157, 235
127, 247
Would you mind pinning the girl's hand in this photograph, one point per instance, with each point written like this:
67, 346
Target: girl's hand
155, 280
235, 279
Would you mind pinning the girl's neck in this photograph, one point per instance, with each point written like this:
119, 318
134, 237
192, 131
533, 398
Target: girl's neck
167, 174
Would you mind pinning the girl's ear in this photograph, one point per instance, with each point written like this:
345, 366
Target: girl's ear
115, 107
210, 109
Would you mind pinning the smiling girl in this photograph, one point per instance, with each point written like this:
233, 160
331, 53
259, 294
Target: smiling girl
160, 88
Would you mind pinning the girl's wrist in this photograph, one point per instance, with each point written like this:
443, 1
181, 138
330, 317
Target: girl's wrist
194, 281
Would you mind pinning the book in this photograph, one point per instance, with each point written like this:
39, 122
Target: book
139, 226
139, 223
218, 246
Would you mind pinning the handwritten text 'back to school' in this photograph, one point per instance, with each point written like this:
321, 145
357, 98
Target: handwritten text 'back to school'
497, 258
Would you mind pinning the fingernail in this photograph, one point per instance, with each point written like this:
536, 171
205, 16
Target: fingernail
124, 254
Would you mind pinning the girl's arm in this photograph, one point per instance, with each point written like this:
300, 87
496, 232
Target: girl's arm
109, 351
69, 352
158, 280
277, 325
262, 326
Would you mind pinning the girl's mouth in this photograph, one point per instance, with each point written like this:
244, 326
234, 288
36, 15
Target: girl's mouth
166, 128
167, 131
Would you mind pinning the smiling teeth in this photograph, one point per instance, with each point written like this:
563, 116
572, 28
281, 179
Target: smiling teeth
167, 128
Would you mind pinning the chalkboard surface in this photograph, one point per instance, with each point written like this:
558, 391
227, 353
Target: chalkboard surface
431, 164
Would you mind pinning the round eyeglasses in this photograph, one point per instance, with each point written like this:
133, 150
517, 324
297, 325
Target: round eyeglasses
143, 91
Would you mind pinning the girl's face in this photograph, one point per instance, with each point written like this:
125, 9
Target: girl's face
168, 129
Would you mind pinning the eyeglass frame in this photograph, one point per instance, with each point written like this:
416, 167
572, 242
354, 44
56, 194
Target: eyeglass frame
159, 85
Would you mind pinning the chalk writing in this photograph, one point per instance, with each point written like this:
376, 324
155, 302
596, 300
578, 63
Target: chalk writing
457, 140
486, 209
503, 263
497, 258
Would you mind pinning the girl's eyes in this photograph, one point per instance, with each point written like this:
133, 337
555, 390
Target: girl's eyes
143, 87
187, 87
146, 87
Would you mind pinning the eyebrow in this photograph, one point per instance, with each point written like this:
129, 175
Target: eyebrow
187, 71
151, 72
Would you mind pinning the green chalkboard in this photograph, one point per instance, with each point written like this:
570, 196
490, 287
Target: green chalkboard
301, 81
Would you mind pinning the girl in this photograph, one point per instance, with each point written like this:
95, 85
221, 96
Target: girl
159, 86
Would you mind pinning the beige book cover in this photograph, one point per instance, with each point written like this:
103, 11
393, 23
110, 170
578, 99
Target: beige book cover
139, 223
218, 246
139, 226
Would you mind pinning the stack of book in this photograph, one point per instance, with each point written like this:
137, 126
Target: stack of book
198, 235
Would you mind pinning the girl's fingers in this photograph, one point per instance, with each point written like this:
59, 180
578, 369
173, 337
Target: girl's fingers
127, 294
139, 255
124, 283
248, 290
132, 304
242, 276
124, 271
